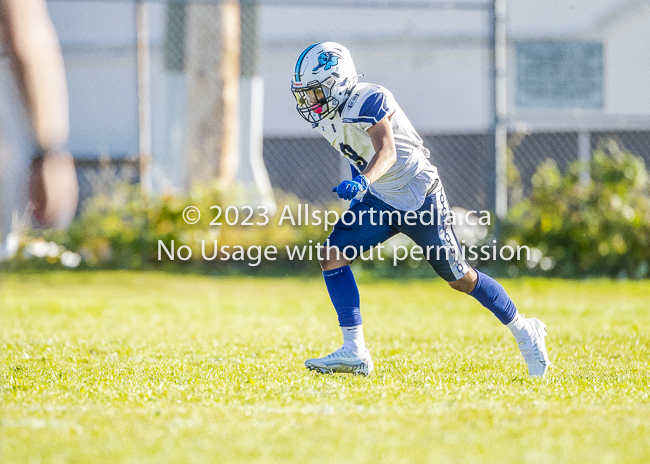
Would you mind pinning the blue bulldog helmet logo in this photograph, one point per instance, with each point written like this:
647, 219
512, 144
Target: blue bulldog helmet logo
327, 60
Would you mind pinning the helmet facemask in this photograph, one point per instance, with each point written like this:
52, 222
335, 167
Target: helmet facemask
315, 100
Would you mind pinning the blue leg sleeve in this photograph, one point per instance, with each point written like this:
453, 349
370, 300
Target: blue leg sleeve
493, 296
344, 295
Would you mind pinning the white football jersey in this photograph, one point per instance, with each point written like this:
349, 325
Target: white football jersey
407, 182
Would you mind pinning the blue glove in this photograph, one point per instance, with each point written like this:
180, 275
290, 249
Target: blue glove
348, 189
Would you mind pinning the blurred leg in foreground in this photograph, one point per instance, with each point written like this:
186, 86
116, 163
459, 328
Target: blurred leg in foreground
37, 63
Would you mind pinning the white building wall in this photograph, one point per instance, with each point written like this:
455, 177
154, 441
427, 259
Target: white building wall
435, 61
627, 66
622, 26
98, 40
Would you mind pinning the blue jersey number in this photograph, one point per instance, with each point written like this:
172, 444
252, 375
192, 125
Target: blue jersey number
349, 153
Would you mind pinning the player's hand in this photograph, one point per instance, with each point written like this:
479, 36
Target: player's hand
348, 189
53, 189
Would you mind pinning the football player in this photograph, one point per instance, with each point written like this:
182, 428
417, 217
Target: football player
392, 176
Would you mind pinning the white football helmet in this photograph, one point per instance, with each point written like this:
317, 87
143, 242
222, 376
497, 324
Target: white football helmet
323, 78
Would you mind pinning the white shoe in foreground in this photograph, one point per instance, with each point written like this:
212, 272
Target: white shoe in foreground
343, 361
531, 344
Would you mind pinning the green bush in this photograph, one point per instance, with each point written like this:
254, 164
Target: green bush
119, 229
122, 230
599, 228
574, 229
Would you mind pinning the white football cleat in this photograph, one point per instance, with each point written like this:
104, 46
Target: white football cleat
531, 344
343, 361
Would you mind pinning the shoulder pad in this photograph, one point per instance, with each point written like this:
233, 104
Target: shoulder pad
368, 104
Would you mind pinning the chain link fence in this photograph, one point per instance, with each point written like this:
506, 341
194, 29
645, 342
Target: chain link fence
200, 50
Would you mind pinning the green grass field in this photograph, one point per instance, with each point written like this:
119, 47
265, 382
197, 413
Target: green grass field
147, 367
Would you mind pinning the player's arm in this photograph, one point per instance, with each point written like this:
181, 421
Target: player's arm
383, 142
35, 54
36, 57
381, 135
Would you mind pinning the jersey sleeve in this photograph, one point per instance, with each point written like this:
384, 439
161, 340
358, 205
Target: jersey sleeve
371, 109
